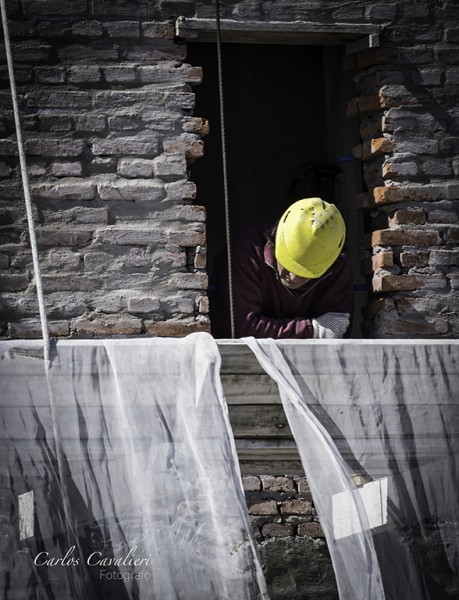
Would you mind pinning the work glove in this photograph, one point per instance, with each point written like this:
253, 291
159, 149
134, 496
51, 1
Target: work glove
331, 325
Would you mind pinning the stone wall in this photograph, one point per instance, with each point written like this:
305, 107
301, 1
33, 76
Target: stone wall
292, 544
106, 110
107, 114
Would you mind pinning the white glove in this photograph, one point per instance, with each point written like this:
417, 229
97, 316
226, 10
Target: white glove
331, 325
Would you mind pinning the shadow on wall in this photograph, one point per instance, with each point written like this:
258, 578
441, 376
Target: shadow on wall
297, 569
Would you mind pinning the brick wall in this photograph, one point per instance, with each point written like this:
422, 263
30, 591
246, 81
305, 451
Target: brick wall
107, 112
290, 539
281, 506
409, 126
106, 107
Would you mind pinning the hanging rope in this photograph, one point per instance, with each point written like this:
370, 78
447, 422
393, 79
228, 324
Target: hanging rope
61, 461
26, 187
225, 173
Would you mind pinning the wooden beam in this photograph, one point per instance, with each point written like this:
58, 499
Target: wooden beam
274, 32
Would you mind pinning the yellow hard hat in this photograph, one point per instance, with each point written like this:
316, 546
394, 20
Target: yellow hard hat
309, 237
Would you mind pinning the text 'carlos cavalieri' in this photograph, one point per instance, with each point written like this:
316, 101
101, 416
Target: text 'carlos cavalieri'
95, 559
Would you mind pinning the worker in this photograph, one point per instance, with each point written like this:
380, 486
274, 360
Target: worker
290, 280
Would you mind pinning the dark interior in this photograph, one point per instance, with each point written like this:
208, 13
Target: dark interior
287, 137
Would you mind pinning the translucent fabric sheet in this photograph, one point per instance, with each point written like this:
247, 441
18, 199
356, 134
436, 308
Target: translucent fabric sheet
385, 414
120, 477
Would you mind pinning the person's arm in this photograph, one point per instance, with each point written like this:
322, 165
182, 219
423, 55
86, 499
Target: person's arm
338, 295
248, 317
335, 306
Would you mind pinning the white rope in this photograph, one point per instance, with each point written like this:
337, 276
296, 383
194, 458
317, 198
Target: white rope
62, 470
26, 187
225, 174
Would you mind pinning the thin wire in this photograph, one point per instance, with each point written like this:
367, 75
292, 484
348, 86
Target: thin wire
225, 172
26, 187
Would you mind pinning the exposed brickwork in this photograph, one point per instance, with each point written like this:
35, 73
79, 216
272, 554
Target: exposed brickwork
281, 506
107, 110
409, 128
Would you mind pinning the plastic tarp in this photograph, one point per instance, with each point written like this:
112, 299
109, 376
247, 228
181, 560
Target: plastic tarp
387, 411
124, 457
119, 475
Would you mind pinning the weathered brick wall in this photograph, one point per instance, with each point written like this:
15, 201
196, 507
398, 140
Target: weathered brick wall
107, 112
409, 123
106, 109
291, 542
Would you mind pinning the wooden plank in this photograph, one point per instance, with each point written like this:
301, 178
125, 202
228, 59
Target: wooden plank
271, 32
247, 421
266, 467
250, 389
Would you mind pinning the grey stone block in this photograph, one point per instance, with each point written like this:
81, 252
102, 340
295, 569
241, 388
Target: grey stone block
128, 189
135, 167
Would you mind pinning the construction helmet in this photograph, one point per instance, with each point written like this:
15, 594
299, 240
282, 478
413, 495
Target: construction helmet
309, 237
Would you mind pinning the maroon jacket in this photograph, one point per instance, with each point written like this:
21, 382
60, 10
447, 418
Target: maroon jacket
263, 307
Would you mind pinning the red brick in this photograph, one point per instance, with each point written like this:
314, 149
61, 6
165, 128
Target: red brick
296, 507
251, 483
107, 325
405, 237
312, 529
387, 195
391, 283
407, 217
263, 507
382, 260
175, 328
196, 125
373, 148
363, 104
277, 484
394, 193
414, 259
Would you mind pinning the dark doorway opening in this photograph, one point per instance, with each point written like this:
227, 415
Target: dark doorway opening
287, 137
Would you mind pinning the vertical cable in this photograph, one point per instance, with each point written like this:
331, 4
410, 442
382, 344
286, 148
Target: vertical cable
61, 461
225, 173
25, 185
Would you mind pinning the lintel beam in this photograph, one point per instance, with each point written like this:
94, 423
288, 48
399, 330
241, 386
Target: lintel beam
277, 32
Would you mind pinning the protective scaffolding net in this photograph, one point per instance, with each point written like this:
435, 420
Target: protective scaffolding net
120, 478
119, 475
384, 415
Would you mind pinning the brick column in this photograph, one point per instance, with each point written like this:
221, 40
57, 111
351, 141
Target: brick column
408, 153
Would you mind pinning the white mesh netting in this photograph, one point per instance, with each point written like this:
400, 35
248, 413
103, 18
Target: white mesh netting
391, 409
149, 473
124, 458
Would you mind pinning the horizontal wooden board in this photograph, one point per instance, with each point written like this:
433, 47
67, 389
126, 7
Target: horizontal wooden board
272, 32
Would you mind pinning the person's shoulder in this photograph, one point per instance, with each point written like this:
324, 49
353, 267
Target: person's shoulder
257, 234
341, 264
342, 268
